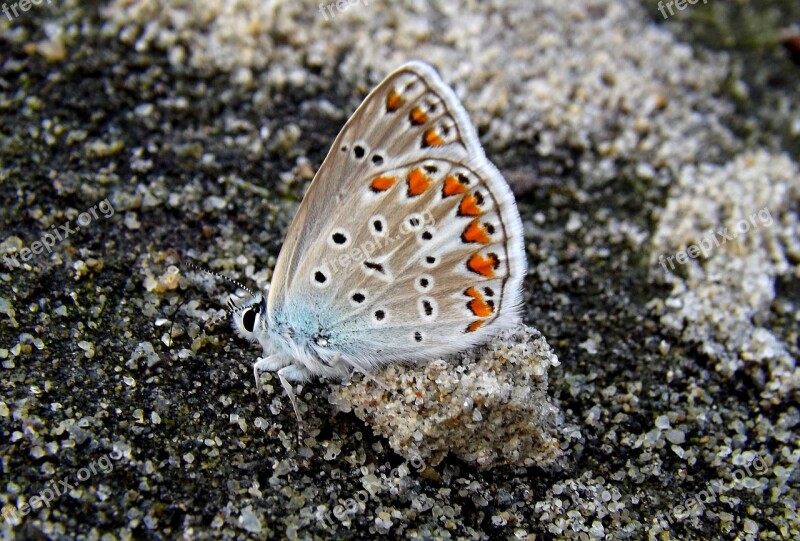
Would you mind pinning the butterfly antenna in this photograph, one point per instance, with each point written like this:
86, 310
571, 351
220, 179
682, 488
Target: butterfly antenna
232, 307
218, 275
172, 323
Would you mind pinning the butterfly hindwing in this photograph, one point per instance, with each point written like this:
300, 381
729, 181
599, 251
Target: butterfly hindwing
408, 243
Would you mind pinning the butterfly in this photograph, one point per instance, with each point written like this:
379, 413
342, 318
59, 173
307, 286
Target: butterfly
407, 246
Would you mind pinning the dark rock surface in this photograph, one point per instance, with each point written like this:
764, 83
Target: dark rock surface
201, 125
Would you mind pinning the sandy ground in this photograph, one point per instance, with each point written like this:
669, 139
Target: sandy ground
652, 395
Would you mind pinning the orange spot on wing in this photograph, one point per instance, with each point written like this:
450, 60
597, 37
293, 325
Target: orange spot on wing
469, 206
475, 232
484, 266
453, 186
417, 116
475, 325
431, 138
381, 184
477, 305
393, 101
472, 292
418, 182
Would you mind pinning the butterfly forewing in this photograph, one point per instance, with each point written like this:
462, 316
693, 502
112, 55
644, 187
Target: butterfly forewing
408, 243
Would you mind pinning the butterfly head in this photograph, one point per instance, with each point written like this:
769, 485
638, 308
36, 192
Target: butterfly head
249, 318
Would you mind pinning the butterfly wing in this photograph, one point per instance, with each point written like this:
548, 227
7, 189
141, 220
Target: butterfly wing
408, 243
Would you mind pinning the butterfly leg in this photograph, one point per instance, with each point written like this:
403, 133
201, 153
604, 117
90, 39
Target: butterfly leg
271, 363
354, 369
373, 379
292, 373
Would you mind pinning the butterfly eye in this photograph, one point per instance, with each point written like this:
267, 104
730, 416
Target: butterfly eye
249, 319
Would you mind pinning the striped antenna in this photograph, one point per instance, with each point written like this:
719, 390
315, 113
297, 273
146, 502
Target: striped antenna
218, 275
232, 308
